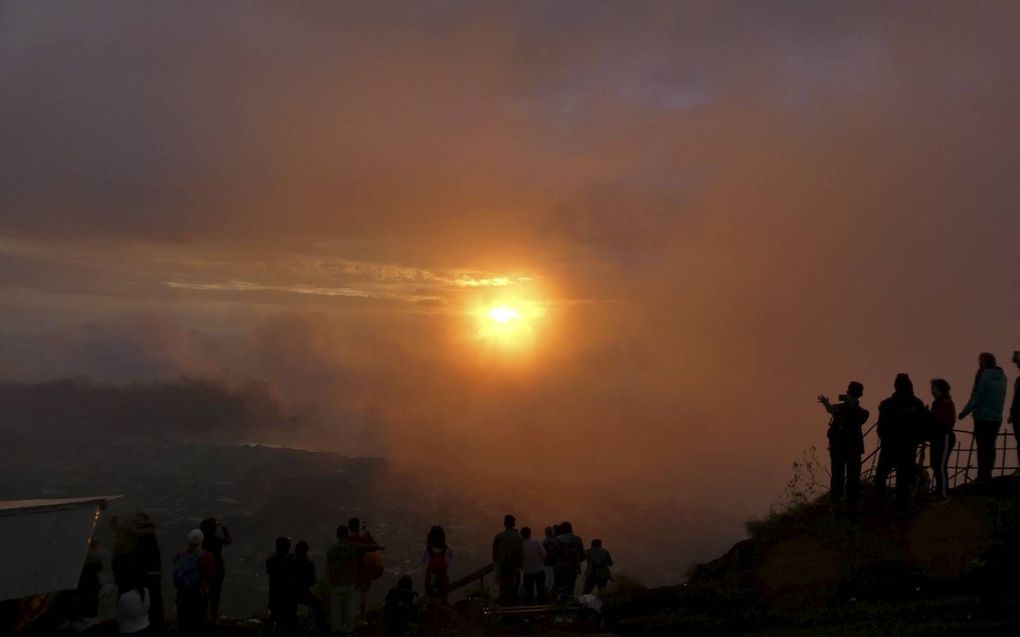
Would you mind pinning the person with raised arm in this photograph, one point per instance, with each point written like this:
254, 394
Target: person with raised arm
846, 445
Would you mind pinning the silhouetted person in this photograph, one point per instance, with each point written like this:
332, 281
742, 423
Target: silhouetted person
87, 592
136, 557
217, 536
436, 560
506, 560
282, 589
400, 610
846, 444
550, 544
900, 424
986, 402
133, 604
943, 440
359, 534
597, 573
533, 565
1014, 408
194, 575
569, 555
342, 575
304, 580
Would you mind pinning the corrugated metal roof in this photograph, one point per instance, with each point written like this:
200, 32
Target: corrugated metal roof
43, 543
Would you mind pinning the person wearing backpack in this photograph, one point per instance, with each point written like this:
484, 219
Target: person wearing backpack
597, 574
194, 574
436, 564
370, 567
846, 445
569, 556
217, 536
342, 561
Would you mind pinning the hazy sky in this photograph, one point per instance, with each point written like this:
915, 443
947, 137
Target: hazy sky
705, 214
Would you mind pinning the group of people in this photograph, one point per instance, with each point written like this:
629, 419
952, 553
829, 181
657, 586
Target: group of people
527, 569
523, 566
905, 423
546, 568
349, 577
198, 576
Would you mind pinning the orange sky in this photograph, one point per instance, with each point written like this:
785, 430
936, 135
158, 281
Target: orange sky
715, 212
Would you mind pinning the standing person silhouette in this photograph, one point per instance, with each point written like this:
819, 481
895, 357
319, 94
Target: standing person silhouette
533, 566
597, 574
943, 440
217, 536
137, 558
436, 563
342, 561
569, 555
506, 559
194, 575
1014, 409
986, 402
282, 598
846, 445
550, 544
304, 580
901, 420
359, 534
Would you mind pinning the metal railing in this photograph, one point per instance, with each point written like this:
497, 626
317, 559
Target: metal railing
962, 466
476, 576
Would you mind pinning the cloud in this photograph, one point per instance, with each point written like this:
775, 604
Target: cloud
248, 286
726, 208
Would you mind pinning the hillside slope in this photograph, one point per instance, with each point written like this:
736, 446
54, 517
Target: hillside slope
943, 569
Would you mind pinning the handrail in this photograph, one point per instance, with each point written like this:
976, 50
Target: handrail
960, 466
478, 576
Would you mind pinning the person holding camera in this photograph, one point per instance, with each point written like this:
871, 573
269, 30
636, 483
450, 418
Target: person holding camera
846, 444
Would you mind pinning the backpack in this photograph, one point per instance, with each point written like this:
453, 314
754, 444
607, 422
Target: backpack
186, 572
437, 562
552, 551
571, 551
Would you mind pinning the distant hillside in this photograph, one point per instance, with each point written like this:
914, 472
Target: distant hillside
946, 569
189, 409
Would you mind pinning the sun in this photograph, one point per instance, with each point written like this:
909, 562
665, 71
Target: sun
504, 314
509, 325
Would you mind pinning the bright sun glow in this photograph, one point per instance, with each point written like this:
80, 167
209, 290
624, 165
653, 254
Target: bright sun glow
511, 324
504, 314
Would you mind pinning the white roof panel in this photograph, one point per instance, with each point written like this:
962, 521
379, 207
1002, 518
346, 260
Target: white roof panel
43, 544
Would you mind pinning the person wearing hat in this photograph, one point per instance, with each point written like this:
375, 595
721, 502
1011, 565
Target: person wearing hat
846, 444
194, 572
901, 421
1014, 408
